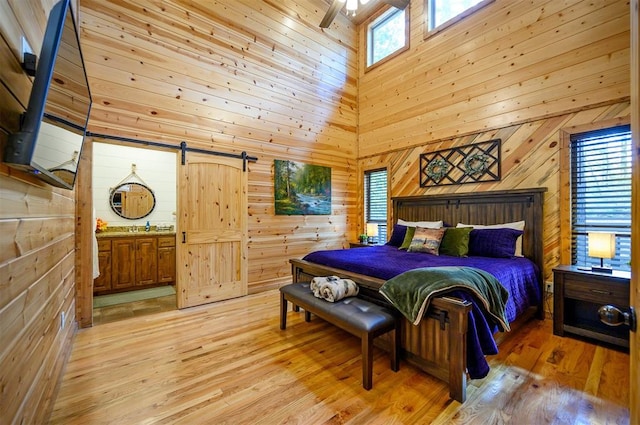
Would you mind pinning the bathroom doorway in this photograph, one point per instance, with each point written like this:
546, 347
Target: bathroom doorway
135, 203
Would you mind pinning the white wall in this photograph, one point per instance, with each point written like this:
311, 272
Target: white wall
157, 169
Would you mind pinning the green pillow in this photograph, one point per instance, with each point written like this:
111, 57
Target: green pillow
407, 238
455, 241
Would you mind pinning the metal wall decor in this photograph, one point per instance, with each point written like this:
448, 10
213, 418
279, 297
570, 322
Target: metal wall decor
475, 163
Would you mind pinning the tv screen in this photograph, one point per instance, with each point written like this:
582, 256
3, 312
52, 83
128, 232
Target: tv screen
53, 127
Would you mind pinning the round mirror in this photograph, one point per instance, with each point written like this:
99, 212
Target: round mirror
132, 200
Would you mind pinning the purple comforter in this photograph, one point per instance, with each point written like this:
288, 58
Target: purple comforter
518, 275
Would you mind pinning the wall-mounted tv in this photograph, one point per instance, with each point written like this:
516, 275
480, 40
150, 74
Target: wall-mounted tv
53, 127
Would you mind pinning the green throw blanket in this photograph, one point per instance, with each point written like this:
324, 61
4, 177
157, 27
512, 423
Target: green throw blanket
411, 292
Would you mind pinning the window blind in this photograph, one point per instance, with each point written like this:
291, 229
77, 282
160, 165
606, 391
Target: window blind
601, 193
375, 201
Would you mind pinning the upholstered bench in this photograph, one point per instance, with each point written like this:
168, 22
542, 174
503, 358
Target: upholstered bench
359, 317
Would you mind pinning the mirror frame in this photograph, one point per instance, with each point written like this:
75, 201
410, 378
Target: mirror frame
114, 208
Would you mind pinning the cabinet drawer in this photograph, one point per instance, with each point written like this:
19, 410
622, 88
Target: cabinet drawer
165, 241
597, 292
104, 245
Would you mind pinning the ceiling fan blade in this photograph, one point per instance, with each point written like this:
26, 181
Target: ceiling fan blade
398, 4
331, 13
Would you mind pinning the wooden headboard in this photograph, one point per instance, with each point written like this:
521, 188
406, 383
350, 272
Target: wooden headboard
482, 208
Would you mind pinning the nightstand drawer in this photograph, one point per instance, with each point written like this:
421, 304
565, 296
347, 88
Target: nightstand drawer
596, 291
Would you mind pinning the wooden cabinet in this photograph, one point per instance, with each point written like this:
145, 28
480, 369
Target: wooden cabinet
135, 262
146, 258
103, 282
578, 294
166, 259
123, 256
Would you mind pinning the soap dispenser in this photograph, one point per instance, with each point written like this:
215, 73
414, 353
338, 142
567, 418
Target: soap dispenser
147, 227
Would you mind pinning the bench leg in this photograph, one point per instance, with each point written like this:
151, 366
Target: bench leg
307, 316
283, 312
395, 347
367, 361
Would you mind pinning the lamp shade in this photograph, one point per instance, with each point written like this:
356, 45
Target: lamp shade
602, 245
372, 229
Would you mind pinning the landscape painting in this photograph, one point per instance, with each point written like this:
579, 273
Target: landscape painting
302, 189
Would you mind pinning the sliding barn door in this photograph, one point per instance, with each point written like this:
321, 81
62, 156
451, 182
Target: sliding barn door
212, 230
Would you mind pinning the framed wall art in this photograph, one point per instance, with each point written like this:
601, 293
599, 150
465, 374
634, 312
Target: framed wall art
302, 189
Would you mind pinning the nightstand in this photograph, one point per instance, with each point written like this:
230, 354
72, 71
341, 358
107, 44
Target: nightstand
360, 244
577, 296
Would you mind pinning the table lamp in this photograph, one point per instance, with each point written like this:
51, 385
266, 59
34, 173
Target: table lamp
602, 245
372, 231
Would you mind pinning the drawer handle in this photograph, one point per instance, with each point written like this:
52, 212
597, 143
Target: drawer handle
601, 291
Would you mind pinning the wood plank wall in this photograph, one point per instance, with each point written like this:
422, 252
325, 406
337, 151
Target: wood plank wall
233, 76
37, 246
261, 77
521, 71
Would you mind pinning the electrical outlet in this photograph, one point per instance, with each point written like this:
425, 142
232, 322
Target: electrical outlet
549, 288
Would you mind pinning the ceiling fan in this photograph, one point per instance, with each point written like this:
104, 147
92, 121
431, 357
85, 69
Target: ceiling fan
336, 5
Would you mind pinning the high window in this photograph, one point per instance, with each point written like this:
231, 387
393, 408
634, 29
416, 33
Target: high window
375, 201
387, 34
442, 13
601, 193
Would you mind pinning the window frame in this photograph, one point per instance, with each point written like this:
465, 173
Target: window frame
565, 190
430, 32
365, 202
377, 19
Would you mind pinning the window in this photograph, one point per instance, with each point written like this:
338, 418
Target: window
601, 193
375, 201
442, 13
387, 34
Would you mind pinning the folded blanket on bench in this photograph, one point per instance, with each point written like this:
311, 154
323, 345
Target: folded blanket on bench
332, 288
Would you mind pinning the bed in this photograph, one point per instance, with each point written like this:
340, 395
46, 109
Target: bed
439, 343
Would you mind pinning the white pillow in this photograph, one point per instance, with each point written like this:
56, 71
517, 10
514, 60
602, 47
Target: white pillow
518, 225
426, 224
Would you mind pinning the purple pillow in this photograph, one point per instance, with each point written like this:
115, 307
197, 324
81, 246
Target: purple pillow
397, 235
497, 243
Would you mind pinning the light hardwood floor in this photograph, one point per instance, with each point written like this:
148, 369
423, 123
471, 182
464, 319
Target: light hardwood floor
229, 363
